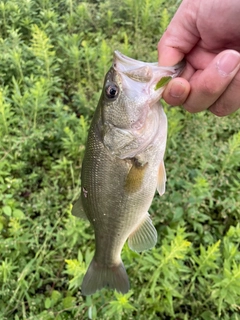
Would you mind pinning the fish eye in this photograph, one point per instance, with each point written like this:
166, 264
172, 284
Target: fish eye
111, 91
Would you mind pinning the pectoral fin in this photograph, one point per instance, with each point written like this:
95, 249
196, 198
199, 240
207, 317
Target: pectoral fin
135, 176
77, 209
161, 179
144, 237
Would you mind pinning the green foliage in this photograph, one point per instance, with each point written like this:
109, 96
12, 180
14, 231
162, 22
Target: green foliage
54, 55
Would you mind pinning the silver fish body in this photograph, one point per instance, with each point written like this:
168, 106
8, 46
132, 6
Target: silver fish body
122, 168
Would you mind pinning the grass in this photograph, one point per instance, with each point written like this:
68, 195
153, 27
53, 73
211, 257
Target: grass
54, 55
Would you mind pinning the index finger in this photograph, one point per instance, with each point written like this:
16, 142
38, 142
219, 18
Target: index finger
181, 35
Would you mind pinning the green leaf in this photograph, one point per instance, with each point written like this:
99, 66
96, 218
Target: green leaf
7, 210
18, 214
69, 302
55, 296
47, 303
162, 82
92, 312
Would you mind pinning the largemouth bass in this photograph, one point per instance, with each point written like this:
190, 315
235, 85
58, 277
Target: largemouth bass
122, 167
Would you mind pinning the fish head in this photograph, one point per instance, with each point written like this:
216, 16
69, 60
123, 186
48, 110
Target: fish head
129, 96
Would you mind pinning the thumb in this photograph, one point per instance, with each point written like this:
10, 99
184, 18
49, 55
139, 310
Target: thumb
180, 36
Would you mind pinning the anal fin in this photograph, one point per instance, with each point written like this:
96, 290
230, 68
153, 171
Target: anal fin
144, 237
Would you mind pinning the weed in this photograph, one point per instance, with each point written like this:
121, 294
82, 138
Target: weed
54, 56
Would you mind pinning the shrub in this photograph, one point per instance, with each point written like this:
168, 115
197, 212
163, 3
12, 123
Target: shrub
54, 55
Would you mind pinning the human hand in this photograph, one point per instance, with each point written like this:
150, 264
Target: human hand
206, 33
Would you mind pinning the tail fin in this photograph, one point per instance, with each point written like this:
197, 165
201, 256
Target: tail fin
98, 277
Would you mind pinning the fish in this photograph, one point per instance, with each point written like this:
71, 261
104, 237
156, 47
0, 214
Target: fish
123, 166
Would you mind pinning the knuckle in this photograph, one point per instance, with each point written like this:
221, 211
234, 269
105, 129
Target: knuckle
209, 87
228, 102
221, 108
190, 108
218, 112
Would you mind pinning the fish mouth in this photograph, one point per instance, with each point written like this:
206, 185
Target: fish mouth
136, 70
140, 77
123, 63
144, 71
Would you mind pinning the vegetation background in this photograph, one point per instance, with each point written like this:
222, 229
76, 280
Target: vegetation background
54, 55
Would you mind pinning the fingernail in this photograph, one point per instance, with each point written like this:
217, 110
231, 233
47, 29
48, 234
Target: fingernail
228, 62
177, 89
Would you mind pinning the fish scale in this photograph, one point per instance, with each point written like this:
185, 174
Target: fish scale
122, 168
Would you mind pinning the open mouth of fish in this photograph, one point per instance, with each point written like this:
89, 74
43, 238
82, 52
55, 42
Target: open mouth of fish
141, 72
